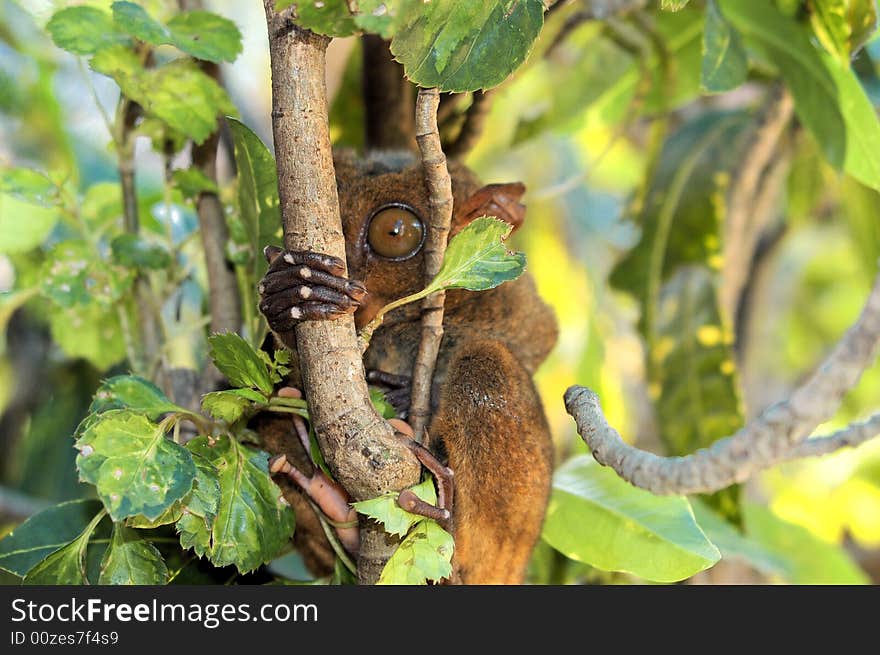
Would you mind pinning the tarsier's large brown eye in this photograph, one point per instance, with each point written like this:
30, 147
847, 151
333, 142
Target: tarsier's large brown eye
395, 232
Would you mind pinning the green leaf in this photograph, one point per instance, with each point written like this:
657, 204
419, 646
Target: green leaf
23, 226
134, 251
330, 17
73, 275
239, 362
861, 17
200, 509
257, 193
735, 545
725, 61
673, 5
135, 469
828, 18
225, 405
169, 516
83, 30
385, 409
476, 258
44, 533
596, 518
253, 520
178, 93
67, 565
129, 560
205, 36
425, 554
135, 20
464, 46
89, 331
386, 511
807, 559
192, 182
30, 186
376, 17
829, 99
134, 393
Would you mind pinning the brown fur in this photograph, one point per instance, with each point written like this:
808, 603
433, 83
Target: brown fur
488, 417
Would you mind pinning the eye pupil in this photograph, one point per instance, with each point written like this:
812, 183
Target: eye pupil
395, 232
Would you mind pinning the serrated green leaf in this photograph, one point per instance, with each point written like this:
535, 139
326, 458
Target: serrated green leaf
205, 36
464, 46
425, 554
169, 516
725, 61
253, 520
239, 362
476, 258
44, 533
67, 565
596, 518
29, 186
829, 99
135, 469
192, 182
83, 30
134, 393
225, 406
392, 516
330, 17
72, 275
129, 560
135, 20
91, 332
376, 17
194, 525
257, 193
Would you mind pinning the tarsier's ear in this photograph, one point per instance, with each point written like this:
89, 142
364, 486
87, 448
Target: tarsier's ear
499, 200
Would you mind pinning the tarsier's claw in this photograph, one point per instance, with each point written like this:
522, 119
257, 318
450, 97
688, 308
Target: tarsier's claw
306, 286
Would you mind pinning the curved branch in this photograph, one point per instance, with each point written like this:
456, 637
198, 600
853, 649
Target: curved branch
439, 186
774, 436
472, 128
360, 447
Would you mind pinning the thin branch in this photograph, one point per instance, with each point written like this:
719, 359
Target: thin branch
472, 128
358, 445
851, 436
388, 99
742, 226
768, 439
439, 186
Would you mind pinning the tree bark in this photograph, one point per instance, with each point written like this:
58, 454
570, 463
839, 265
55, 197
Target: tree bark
358, 445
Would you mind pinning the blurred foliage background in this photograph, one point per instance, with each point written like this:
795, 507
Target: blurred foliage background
580, 125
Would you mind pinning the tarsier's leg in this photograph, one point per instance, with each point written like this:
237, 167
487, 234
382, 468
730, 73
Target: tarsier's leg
303, 286
492, 424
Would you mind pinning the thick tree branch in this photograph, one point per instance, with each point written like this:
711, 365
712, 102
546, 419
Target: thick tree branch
774, 436
358, 445
439, 186
388, 99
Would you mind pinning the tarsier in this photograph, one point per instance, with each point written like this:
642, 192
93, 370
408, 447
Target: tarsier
488, 423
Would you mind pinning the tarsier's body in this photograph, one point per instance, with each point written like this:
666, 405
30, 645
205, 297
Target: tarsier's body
487, 416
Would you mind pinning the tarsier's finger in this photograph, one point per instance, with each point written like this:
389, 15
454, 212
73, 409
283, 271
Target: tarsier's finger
296, 276
307, 311
315, 260
271, 253
388, 379
292, 301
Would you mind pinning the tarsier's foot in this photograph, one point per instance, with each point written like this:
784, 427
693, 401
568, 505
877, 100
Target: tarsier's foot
443, 475
397, 389
306, 286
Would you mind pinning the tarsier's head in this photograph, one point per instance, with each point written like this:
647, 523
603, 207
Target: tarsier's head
384, 206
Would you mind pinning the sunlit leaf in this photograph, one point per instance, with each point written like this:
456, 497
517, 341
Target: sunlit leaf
464, 46
84, 30
253, 520
134, 393
134, 467
129, 560
200, 509
135, 20
725, 61
386, 511
205, 36
425, 554
239, 362
596, 518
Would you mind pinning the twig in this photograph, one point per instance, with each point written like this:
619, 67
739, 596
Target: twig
388, 99
359, 447
770, 438
472, 128
742, 226
439, 186
851, 436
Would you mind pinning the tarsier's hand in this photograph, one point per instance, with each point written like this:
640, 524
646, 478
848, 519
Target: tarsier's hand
306, 286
